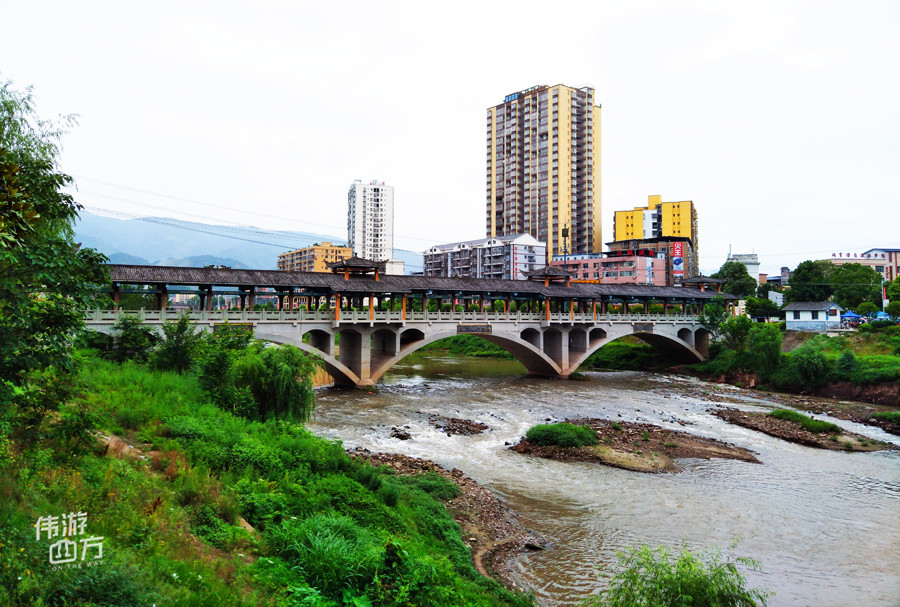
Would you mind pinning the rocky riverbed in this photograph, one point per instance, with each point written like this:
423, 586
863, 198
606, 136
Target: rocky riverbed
638, 446
795, 433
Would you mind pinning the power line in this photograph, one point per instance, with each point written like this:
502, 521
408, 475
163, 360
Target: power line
254, 212
204, 229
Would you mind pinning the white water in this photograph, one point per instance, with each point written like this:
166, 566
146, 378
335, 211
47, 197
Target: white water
824, 524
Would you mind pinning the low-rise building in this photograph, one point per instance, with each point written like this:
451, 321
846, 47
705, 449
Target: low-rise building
818, 316
502, 257
679, 255
639, 267
313, 258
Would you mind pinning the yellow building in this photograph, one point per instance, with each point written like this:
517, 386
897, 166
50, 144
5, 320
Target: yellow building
657, 220
669, 228
543, 168
312, 259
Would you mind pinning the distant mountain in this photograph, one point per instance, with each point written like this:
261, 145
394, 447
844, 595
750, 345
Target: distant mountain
198, 261
169, 241
125, 258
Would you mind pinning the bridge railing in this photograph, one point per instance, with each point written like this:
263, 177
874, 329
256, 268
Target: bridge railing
378, 316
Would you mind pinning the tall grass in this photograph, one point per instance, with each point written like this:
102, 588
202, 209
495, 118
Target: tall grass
327, 530
808, 423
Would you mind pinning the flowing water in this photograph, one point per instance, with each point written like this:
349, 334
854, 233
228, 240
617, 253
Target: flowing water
825, 525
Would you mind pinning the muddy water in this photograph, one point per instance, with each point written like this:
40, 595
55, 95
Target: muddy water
825, 525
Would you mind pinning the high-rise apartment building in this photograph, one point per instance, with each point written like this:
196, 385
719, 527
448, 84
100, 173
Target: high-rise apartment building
669, 228
370, 220
312, 258
543, 168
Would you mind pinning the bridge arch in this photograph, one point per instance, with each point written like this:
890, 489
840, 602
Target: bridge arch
680, 348
535, 361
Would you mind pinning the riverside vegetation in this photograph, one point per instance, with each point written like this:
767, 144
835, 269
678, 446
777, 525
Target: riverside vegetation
185, 456
208, 492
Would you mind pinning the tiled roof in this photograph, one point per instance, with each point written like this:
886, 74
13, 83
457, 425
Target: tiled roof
815, 306
321, 282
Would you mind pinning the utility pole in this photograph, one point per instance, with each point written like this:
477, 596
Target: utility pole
565, 235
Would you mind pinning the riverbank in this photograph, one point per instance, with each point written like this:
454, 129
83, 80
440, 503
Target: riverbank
845, 400
839, 440
638, 447
490, 529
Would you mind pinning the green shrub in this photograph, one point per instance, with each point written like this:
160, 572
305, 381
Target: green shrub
891, 416
880, 324
561, 435
808, 423
132, 339
176, 348
650, 577
876, 370
846, 366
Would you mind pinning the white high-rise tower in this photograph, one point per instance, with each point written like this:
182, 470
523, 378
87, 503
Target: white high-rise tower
370, 220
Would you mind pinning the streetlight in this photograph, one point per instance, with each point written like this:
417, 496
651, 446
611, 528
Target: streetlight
565, 235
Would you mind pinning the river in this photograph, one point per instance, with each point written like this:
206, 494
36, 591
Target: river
824, 524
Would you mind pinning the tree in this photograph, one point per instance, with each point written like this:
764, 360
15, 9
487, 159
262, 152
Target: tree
893, 289
855, 283
764, 345
735, 331
893, 309
280, 380
866, 308
176, 349
714, 314
811, 281
737, 280
649, 577
762, 308
45, 278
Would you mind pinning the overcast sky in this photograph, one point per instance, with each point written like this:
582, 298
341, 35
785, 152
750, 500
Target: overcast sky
779, 119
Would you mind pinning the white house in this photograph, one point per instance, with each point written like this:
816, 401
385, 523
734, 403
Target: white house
818, 316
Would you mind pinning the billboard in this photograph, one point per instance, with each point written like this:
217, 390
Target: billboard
678, 259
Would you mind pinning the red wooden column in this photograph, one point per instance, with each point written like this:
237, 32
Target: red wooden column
403, 307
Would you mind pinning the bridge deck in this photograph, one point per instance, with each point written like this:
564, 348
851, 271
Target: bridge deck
381, 316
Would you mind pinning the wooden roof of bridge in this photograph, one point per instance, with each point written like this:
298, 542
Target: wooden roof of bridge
321, 282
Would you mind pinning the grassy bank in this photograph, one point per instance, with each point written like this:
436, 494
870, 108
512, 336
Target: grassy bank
211, 509
467, 345
866, 358
627, 354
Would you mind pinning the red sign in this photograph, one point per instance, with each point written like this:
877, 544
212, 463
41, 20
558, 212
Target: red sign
676, 249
